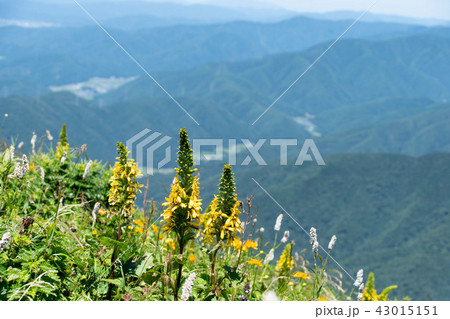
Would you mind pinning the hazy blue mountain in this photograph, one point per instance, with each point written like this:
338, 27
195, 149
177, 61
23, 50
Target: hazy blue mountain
384, 96
376, 17
67, 13
55, 56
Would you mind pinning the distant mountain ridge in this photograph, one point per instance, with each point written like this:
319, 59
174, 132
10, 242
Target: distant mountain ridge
59, 56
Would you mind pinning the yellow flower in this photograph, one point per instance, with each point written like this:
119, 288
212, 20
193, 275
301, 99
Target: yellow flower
161, 237
170, 243
140, 222
322, 299
236, 243
300, 275
285, 263
139, 230
31, 167
217, 222
192, 258
101, 212
94, 232
255, 262
124, 186
251, 244
155, 228
178, 204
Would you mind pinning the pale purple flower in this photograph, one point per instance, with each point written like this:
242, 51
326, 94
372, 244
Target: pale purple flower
187, 287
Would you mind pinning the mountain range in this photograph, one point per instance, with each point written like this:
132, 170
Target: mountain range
376, 105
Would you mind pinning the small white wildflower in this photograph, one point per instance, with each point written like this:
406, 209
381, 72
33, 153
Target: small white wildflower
360, 293
254, 220
25, 165
278, 222
187, 287
86, 170
332, 242
315, 248
49, 136
261, 230
20, 145
64, 157
296, 256
33, 142
270, 296
359, 278
42, 174
285, 237
269, 257
18, 172
243, 225
95, 210
6, 114
6, 238
11, 153
312, 235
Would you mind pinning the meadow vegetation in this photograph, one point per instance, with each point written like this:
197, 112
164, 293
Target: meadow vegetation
70, 230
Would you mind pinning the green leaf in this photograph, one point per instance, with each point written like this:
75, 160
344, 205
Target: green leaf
232, 273
151, 276
119, 282
146, 263
111, 242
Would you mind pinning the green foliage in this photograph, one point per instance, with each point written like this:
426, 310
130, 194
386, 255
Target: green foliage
61, 247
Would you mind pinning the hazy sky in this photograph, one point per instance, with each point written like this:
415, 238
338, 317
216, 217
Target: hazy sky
439, 9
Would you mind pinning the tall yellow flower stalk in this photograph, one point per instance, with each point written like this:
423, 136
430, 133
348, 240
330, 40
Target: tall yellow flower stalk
124, 184
121, 197
183, 206
62, 146
284, 266
221, 221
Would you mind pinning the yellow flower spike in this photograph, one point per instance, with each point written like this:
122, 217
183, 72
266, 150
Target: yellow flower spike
155, 228
139, 230
255, 262
285, 263
192, 258
123, 182
170, 243
322, 299
300, 275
